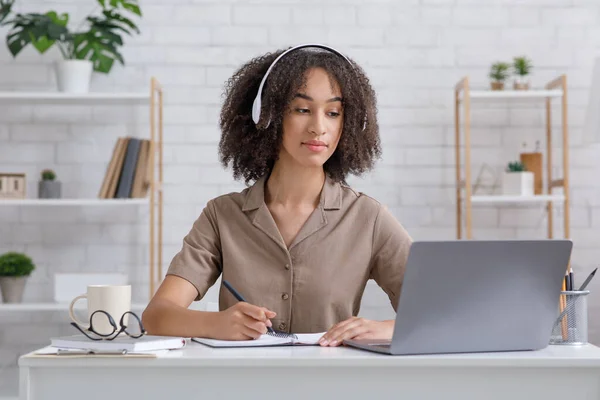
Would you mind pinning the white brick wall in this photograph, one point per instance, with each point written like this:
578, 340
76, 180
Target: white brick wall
414, 52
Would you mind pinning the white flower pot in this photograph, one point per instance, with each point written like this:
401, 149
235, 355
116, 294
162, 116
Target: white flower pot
73, 76
49, 189
521, 82
12, 288
518, 183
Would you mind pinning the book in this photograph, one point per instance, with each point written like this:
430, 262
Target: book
55, 352
268, 339
145, 343
110, 169
140, 170
127, 174
150, 169
115, 173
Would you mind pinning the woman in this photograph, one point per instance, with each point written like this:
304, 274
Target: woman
299, 244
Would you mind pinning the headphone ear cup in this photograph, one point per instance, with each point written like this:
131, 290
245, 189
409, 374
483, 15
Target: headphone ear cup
256, 110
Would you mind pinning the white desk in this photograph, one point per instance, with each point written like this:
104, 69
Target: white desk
199, 372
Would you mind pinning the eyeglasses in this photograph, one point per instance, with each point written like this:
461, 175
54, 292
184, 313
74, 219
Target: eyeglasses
135, 330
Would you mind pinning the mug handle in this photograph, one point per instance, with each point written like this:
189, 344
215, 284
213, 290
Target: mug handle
72, 314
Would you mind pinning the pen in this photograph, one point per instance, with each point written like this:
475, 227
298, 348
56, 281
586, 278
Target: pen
567, 282
239, 297
588, 279
583, 286
571, 280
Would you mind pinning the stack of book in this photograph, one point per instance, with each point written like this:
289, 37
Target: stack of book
129, 172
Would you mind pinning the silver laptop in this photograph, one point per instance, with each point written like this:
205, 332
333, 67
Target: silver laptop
477, 296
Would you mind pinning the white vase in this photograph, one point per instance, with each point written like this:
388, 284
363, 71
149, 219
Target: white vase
518, 183
12, 288
73, 76
521, 82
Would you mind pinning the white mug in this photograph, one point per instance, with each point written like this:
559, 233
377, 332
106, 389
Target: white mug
114, 299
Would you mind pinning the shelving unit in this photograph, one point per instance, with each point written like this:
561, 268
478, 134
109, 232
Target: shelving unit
463, 94
518, 199
85, 98
53, 306
50, 306
154, 99
73, 202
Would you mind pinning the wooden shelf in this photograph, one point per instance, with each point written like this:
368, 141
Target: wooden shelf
464, 97
50, 306
74, 202
514, 94
542, 198
54, 306
92, 97
153, 98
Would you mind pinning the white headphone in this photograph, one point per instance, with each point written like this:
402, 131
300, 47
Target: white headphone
256, 106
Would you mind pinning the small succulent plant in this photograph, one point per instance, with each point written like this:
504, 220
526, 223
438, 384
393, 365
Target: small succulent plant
515, 166
15, 264
522, 66
48, 175
499, 71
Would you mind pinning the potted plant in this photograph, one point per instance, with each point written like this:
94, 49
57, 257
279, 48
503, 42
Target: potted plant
522, 67
517, 180
48, 187
93, 47
498, 74
14, 270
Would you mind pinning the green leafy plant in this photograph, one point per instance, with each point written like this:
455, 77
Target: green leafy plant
48, 175
515, 166
99, 42
522, 66
15, 264
5, 7
499, 71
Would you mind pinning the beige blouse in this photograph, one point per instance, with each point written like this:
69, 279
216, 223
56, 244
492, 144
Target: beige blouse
319, 281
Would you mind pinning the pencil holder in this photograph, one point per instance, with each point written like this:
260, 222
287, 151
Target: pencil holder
571, 324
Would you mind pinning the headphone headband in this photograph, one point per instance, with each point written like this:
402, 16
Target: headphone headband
256, 106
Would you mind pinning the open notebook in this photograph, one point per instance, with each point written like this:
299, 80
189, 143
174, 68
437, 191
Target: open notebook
268, 339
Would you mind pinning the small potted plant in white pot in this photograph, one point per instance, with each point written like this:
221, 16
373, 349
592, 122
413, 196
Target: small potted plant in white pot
498, 74
15, 268
95, 47
517, 180
522, 68
49, 187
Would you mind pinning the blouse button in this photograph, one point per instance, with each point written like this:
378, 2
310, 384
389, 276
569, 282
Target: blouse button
287, 266
282, 326
285, 296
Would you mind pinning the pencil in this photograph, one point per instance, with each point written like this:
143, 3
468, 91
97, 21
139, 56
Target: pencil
563, 305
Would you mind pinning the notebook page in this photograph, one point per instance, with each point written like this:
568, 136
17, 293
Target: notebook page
308, 338
263, 340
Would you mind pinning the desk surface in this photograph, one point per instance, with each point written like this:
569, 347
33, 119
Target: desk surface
198, 355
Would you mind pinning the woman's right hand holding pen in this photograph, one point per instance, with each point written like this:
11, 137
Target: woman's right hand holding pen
242, 321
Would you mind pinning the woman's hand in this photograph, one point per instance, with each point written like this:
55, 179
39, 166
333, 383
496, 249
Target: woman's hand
357, 328
242, 321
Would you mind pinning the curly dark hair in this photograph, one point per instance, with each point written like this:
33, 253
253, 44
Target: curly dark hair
252, 149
